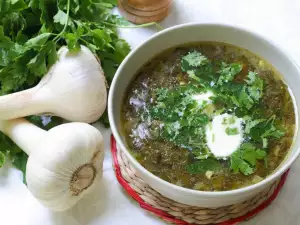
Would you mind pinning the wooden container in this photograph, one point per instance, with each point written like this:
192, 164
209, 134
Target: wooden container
144, 11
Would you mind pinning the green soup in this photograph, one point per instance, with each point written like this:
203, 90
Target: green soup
209, 116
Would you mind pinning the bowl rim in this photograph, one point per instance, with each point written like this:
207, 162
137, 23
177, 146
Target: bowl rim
287, 162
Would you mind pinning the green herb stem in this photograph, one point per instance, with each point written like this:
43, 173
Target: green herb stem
57, 38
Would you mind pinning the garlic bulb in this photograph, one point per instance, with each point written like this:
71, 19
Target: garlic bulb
74, 88
64, 163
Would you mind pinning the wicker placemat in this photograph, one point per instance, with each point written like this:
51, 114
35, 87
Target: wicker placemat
177, 213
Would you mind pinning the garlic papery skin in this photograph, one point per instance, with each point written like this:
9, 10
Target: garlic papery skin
74, 88
64, 163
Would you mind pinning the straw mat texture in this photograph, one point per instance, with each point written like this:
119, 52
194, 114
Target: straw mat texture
177, 213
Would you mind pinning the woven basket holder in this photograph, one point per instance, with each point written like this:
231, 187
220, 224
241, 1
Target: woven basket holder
177, 213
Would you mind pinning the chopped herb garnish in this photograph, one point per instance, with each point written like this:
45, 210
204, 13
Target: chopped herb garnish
231, 120
193, 60
228, 120
183, 120
232, 131
255, 86
244, 159
202, 166
251, 123
192, 75
228, 72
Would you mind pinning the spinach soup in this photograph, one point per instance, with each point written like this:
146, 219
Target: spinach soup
208, 116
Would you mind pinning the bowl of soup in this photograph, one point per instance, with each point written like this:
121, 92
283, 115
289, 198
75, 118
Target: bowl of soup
207, 113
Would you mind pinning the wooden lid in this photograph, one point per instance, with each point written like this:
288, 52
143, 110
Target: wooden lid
144, 11
147, 5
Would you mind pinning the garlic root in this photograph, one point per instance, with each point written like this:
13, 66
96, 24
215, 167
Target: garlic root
64, 163
74, 88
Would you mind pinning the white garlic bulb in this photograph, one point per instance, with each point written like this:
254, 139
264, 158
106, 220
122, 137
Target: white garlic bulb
64, 163
74, 88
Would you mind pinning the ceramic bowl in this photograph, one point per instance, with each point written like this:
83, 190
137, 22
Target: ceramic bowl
196, 32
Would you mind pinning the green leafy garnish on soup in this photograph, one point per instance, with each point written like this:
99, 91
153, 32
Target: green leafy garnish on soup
231, 131
208, 117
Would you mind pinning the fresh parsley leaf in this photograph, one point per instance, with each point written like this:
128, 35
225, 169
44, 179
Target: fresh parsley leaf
61, 17
192, 75
245, 100
198, 68
13, 24
9, 6
266, 129
193, 60
183, 122
37, 65
2, 159
228, 72
38, 40
237, 164
110, 68
273, 132
255, 86
241, 95
251, 155
244, 159
5, 42
4, 59
252, 76
101, 38
202, 166
51, 53
72, 41
122, 49
250, 123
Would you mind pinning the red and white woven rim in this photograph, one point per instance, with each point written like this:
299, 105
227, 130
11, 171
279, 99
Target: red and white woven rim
169, 218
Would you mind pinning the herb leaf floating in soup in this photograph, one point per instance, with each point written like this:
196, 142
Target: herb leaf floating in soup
210, 117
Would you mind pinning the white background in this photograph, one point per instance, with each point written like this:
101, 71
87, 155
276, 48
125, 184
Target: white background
109, 205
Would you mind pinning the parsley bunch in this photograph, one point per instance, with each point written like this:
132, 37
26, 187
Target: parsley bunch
31, 32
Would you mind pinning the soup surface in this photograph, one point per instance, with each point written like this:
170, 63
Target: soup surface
209, 116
